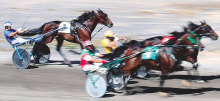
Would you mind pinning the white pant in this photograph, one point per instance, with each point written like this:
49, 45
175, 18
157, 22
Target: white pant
18, 40
90, 67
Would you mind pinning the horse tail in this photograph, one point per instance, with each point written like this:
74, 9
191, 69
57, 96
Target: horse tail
36, 31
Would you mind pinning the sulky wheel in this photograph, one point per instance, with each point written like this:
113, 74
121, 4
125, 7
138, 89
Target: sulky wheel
115, 79
41, 54
141, 72
100, 86
22, 63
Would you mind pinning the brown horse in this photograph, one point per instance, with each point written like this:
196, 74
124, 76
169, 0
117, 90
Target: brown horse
192, 57
168, 56
81, 30
193, 52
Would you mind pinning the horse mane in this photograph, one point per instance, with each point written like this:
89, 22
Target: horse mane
192, 26
158, 37
85, 16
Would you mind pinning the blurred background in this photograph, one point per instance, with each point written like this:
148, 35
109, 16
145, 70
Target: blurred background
137, 19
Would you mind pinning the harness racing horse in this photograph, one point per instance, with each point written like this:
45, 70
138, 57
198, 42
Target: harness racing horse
191, 57
168, 56
81, 30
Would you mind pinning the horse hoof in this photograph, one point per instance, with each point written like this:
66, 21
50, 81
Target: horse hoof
163, 94
200, 81
67, 62
186, 83
187, 68
126, 93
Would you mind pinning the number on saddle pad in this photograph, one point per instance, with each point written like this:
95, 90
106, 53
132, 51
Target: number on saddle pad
151, 54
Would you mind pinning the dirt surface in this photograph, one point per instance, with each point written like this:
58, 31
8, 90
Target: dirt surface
137, 19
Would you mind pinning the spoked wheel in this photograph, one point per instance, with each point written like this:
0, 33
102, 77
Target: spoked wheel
22, 63
41, 54
115, 79
100, 86
141, 72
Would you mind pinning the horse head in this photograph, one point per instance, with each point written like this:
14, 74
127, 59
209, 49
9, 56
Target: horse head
103, 18
208, 31
194, 33
202, 30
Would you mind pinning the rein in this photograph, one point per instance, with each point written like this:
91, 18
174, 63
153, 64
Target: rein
97, 32
191, 39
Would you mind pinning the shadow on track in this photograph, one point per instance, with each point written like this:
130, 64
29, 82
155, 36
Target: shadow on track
53, 62
172, 91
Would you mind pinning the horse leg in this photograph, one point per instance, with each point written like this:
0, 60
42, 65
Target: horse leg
59, 44
201, 46
125, 91
195, 66
162, 80
197, 77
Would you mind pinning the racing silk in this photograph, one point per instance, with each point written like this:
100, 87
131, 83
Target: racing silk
105, 43
7, 35
166, 39
86, 56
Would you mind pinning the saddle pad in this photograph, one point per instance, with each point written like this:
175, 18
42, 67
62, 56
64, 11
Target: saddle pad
150, 54
166, 39
67, 30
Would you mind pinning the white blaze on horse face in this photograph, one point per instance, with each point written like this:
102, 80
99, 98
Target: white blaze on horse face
67, 30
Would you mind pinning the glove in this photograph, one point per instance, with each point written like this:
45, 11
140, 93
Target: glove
116, 39
19, 29
26, 29
103, 61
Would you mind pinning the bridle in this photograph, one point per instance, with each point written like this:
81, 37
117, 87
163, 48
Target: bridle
104, 19
192, 35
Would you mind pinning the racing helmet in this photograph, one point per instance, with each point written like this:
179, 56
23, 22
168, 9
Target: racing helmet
109, 34
7, 23
86, 43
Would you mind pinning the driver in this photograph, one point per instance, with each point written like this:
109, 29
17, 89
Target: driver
109, 41
89, 63
10, 34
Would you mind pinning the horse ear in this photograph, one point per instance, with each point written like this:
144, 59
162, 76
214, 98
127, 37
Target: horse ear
202, 22
98, 9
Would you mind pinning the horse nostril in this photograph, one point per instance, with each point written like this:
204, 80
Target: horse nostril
111, 24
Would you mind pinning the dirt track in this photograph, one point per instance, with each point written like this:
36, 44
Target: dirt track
60, 82
143, 18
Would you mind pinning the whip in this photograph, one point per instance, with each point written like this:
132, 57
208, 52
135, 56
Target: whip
30, 15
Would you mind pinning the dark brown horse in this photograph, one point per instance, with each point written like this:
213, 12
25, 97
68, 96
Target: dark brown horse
81, 30
168, 56
192, 57
193, 52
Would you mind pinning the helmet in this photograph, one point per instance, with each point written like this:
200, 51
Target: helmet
109, 34
8, 23
86, 43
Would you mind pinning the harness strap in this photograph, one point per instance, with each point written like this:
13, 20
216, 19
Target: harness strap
171, 54
191, 40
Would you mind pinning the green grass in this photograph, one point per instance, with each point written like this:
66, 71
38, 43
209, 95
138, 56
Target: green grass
2, 49
51, 9
66, 44
81, 10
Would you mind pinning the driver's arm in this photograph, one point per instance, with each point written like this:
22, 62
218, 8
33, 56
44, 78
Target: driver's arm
14, 33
